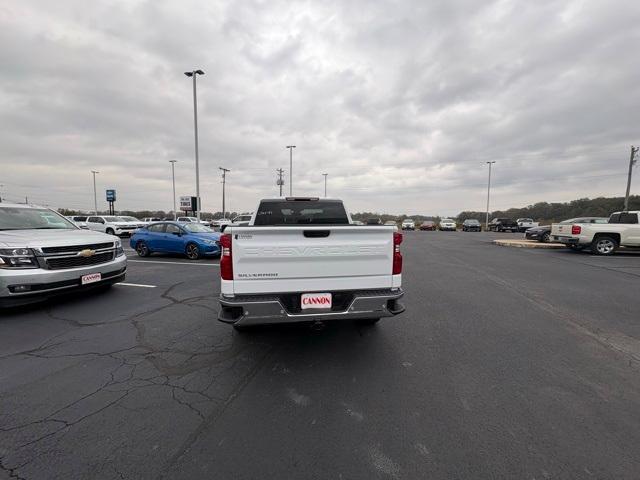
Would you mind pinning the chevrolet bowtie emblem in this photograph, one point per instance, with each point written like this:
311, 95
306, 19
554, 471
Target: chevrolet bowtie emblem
86, 253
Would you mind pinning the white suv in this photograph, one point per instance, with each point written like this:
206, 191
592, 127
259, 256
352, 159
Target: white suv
112, 225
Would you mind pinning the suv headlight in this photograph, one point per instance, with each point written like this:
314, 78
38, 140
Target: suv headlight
17, 258
119, 250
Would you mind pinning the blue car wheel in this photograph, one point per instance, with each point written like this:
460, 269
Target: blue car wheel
192, 251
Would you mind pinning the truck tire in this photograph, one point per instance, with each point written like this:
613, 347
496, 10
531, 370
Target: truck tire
110, 231
604, 245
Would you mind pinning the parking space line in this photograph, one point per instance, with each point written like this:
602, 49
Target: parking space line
125, 284
175, 263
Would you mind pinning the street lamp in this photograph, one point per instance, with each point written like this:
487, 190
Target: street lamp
194, 74
325, 184
95, 195
291, 147
173, 180
224, 182
486, 222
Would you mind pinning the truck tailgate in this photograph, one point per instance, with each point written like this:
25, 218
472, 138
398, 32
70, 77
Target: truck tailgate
561, 229
315, 258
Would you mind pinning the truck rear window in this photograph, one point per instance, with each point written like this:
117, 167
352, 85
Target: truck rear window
301, 212
624, 217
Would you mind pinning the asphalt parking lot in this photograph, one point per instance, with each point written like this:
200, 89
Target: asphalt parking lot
508, 363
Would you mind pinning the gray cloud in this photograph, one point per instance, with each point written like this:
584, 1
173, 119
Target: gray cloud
400, 102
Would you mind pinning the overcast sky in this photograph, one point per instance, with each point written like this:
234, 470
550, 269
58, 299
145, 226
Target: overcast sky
401, 103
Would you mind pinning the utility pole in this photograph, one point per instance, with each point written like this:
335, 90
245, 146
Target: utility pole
224, 181
173, 181
632, 162
291, 147
95, 195
280, 181
486, 223
325, 184
194, 74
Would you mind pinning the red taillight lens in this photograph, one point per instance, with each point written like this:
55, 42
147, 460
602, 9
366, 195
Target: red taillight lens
576, 229
226, 258
397, 256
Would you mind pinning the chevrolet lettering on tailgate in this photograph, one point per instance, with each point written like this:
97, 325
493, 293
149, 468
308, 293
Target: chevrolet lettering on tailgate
315, 251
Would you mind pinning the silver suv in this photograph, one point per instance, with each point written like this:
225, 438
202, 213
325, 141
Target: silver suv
43, 254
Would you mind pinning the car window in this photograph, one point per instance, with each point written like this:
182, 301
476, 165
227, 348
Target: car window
157, 228
79, 219
32, 219
624, 217
197, 228
301, 212
172, 228
93, 220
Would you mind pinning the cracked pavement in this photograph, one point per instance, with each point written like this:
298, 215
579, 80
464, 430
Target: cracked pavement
507, 364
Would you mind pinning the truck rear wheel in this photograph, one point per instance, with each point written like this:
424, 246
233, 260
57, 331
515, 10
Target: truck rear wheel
604, 245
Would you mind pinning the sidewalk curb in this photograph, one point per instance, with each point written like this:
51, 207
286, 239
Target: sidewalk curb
527, 244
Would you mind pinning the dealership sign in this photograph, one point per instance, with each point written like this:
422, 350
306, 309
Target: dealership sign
111, 195
188, 204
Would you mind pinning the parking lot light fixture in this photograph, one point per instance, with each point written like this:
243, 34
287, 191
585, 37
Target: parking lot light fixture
325, 184
95, 194
173, 181
291, 147
194, 74
486, 223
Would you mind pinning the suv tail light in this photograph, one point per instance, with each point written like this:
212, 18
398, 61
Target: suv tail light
576, 229
397, 256
226, 257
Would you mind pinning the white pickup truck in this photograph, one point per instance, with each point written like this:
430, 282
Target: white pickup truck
525, 224
302, 259
622, 229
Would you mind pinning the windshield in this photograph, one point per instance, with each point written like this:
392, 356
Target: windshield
408, 221
472, 222
196, 228
301, 212
32, 219
129, 219
113, 219
446, 220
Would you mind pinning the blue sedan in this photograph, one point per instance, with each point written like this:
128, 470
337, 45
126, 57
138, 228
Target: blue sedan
191, 239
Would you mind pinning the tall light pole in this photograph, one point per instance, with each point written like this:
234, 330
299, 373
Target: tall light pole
95, 194
173, 181
632, 162
194, 74
224, 182
291, 147
325, 184
486, 222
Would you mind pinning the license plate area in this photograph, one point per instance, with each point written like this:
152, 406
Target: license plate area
316, 301
90, 278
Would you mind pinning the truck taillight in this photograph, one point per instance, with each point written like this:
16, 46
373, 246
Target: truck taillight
397, 256
226, 258
576, 229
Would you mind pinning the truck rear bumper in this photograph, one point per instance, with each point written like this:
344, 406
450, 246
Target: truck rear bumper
248, 310
567, 240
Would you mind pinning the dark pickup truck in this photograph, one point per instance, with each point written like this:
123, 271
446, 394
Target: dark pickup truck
503, 225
